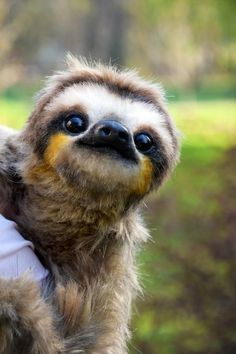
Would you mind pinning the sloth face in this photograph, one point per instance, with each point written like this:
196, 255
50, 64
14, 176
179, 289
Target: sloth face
102, 130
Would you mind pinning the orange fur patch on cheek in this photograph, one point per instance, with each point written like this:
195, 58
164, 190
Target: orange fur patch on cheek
144, 179
44, 170
56, 144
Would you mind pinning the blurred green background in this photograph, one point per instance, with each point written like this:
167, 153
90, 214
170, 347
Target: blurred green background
189, 270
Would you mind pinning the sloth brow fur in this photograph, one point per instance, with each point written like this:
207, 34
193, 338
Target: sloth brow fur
119, 88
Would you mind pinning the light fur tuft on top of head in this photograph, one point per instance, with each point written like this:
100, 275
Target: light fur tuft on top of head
80, 70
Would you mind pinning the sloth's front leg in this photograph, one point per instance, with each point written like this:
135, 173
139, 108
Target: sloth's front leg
26, 321
112, 301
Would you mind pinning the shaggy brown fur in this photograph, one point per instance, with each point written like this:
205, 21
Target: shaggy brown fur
80, 207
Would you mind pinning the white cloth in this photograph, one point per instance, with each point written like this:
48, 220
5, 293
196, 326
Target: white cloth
16, 254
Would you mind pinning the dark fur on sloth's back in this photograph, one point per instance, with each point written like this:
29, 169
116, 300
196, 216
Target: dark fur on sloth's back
84, 230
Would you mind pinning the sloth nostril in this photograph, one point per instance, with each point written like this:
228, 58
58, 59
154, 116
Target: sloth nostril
123, 135
105, 131
111, 131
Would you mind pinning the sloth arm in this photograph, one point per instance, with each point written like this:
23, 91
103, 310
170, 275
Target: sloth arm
113, 296
113, 303
107, 302
105, 311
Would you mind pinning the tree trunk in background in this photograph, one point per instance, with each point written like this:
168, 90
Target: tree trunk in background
105, 31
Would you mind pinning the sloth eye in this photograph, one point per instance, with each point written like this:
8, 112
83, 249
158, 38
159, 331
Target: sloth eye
143, 142
75, 124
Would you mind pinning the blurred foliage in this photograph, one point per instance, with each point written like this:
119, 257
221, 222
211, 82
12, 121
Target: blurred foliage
187, 44
189, 269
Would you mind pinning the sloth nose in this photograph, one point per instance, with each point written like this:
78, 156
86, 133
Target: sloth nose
108, 136
111, 132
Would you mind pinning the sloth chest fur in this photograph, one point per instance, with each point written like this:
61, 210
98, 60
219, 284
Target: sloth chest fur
70, 232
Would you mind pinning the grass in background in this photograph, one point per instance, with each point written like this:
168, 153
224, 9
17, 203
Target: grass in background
13, 112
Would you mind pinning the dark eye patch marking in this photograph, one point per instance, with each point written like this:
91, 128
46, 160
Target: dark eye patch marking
57, 125
157, 154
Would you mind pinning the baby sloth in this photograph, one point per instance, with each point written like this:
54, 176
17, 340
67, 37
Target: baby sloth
98, 141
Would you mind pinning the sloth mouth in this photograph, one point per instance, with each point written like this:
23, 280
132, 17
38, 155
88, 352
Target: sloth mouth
119, 152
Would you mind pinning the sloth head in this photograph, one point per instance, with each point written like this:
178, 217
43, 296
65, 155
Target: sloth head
103, 131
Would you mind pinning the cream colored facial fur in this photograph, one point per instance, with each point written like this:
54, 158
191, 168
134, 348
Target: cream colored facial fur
100, 103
